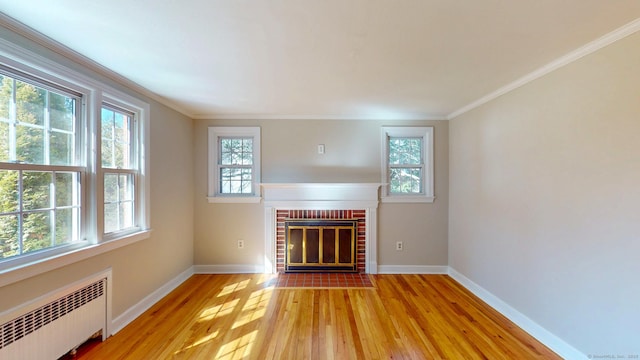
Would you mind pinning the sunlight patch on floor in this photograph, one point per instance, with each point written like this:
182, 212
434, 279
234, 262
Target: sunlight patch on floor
218, 310
238, 348
255, 307
233, 287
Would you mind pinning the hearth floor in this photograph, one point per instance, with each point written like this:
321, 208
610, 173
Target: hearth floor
323, 280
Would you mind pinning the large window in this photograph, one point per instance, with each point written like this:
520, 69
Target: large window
40, 176
58, 192
234, 164
407, 164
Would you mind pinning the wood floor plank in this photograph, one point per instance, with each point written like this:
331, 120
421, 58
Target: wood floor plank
246, 317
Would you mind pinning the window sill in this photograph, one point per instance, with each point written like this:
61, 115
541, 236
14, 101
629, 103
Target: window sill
234, 199
27, 270
407, 199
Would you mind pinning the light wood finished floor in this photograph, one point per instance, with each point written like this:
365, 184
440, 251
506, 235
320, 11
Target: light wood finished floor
244, 316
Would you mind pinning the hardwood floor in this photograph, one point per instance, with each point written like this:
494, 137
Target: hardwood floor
244, 316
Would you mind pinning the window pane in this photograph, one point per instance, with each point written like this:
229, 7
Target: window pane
126, 187
8, 236
30, 144
61, 112
110, 187
31, 103
122, 125
61, 152
65, 183
36, 192
4, 140
8, 191
247, 151
126, 215
6, 91
406, 180
64, 226
110, 217
36, 231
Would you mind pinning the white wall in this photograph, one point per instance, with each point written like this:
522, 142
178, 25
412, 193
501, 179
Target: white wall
544, 200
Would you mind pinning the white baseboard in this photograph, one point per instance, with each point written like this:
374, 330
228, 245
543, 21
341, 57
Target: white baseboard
553, 342
413, 269
143, 305
228, 269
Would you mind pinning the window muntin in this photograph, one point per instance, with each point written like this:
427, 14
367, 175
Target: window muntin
407, 164
235, 165
40, 180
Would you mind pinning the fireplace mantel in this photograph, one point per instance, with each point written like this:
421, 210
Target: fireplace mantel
321, 196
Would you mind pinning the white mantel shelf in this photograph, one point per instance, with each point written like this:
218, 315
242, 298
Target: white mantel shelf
321, 196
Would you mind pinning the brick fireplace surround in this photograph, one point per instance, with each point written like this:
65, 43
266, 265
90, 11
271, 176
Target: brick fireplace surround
359, 215
358, 201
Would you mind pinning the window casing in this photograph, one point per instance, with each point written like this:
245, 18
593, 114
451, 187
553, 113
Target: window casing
407, 164
51, 178
234, 164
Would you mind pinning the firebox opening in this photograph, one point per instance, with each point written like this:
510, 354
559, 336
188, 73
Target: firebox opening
320, 245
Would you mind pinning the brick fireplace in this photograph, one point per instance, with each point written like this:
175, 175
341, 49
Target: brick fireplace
282, 215
354, 201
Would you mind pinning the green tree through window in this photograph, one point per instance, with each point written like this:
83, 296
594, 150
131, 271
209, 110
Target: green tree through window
39, 177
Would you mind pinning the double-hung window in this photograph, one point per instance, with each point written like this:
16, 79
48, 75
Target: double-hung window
119, 168
407, 164
234, 164
41, 171
73, 164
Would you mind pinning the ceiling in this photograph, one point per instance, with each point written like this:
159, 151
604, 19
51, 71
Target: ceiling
326, 59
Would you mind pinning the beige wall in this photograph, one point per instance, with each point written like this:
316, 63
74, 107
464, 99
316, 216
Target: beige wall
143, 267
544, 199
289, 154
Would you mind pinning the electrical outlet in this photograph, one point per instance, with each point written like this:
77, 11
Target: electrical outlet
240, 244
399, 246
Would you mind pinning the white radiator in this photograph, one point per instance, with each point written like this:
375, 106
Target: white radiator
56, 323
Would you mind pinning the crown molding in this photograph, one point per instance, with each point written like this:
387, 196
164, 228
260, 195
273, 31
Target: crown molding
582, 51
399, 117
66, 52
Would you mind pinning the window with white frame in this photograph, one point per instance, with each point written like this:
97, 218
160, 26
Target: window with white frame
53, 199
234, 164
119, 167
407, 164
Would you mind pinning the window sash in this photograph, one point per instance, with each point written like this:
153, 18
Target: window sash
49, 208
127, 144
120, 208
46, 127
